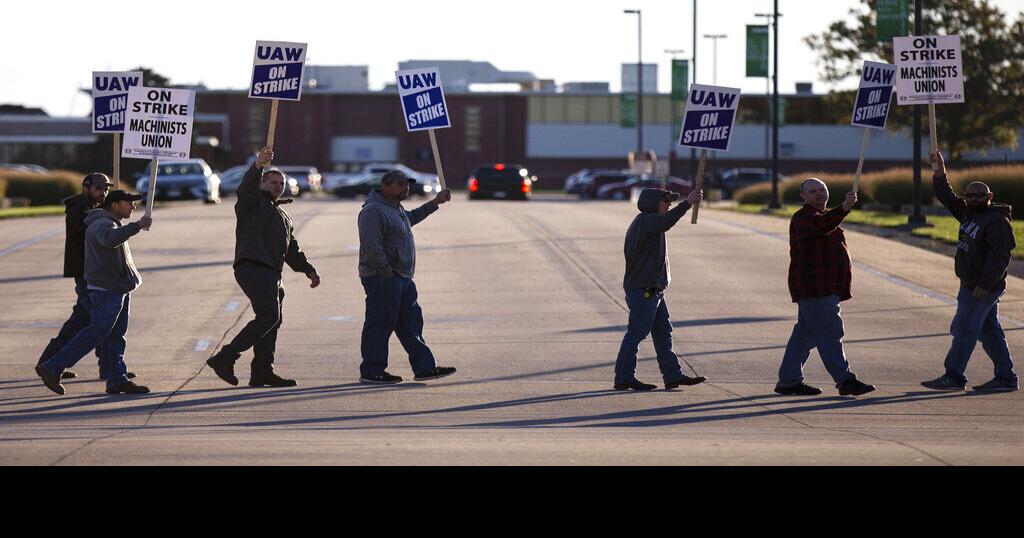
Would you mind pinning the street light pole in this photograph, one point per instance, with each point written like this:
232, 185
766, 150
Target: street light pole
774, 203
639, 81
714, 55
693, 152
917, 219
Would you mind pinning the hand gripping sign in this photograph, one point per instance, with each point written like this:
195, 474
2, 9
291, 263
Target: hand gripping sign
707, 124
277, 74
109, 102
929, 70
158, 126
424, 107
871, 108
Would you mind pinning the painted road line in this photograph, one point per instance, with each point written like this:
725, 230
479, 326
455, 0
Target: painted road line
232, 306
29, 242
202, 345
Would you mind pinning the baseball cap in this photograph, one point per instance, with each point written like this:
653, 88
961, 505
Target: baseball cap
120, 196
396, 175
96, 179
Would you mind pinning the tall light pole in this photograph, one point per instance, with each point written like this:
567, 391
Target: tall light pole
714, 55
672, 124
693, 65
770, 19
917, 219
639, 81
774, 202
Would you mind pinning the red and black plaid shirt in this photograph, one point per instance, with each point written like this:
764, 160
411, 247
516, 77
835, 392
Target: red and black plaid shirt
819, 263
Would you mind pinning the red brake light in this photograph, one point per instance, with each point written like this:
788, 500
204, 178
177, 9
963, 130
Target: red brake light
474, 185
526, 185
499, 167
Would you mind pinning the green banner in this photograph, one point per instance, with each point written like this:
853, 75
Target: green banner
892, 19
757, 50
680, 79
627, 110
782, 111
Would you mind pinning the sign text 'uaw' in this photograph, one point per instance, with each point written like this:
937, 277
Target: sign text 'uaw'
871, 108
110, 98
422, 99
929, 69
159, 123
277, 70
709, 117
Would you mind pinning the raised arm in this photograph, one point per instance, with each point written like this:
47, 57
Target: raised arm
660, 223
943, 192
417, 215
249, 189
109, 234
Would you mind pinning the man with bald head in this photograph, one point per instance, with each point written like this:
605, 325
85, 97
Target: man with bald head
820, 277
982, 255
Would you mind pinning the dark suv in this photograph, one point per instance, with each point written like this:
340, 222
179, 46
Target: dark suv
735, 179
509, 181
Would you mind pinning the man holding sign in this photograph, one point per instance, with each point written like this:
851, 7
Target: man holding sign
264, 243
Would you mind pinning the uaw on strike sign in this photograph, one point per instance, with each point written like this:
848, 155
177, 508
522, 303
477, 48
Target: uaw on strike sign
277, 70
871, 108
159, 123
110, 98
422, 99
929, 69
709, 117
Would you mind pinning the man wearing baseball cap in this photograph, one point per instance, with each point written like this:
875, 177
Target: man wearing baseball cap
110, 276
647, 275
387, 261
94, 190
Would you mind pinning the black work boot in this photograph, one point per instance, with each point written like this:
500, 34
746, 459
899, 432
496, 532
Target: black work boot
269, 379
223, 364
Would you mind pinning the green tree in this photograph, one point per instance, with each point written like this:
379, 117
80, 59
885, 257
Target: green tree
993, 61
153, 79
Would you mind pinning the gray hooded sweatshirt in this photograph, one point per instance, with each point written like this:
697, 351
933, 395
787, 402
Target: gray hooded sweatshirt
386, 246
108, 260
645, 249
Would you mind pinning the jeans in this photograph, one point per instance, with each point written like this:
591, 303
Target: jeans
78, 320
647, 316
978, 320
818, 326
262, 285
108, 313
392, 307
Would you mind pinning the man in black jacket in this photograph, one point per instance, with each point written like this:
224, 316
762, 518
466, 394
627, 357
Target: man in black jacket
982, 255
647, 275
94, 191
264, 242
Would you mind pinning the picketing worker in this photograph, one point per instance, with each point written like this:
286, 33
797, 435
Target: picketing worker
264, 242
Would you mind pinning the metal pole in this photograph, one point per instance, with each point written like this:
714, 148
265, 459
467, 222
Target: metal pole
693, 152
917, 218
774, 203
639, 84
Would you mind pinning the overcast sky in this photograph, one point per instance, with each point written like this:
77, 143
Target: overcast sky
50, 48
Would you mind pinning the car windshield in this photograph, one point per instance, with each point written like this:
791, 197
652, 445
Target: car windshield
180, 169
490, 174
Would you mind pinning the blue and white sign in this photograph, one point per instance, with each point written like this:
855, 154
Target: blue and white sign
110, 98
871, 108
277, 70
709, 117
422, 99
158, 124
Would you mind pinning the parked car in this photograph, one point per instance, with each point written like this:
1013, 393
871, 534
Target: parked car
359, 185
33, 168
348, 184
308, 177
735, 179
511, 181
230, 179
624, 190
190, 179
595, 182
576, 182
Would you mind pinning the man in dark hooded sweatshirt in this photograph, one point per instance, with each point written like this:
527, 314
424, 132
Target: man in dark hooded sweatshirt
647, 275
264, 243
982, 255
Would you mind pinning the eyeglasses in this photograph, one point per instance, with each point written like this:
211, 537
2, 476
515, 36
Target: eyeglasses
976, 195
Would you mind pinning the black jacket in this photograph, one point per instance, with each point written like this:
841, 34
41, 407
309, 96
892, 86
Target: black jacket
645, 248
75, 209
986, 240
264, 232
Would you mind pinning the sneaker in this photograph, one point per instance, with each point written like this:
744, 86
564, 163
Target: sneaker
943, 382
270, 379
684, 381
129, 375
800, 389
223, 365
436, 373
68, 374
382, 379
51, 380
997, 385
128, 387
634, 385
853, 387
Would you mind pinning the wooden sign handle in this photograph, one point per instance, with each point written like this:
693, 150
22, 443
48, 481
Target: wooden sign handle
437, 158
117, 161
699, 185
860, 162
151, 195
933, 139
273, 123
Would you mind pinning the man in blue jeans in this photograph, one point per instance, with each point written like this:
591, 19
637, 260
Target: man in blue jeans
646, 278
982, 256
387, 261
111, 277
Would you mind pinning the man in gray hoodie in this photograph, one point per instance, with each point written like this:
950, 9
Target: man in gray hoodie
111, 277
387, 261
647, 275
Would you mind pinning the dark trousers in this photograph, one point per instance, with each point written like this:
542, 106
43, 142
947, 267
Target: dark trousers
647, 315
392, 307
78, 320
262, 285
108, 313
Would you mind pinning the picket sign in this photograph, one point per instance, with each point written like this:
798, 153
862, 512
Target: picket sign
151, 195
109, 102
708, 124
871, 106
117, 160
273, 123
277, 74
424, 107
930, 71
437, 159
699, 185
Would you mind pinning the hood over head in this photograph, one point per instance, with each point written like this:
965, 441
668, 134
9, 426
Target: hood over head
649, 199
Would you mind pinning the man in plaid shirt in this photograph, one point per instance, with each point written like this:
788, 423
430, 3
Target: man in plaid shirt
819, 279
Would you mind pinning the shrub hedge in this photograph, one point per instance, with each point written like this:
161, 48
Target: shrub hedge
41, 188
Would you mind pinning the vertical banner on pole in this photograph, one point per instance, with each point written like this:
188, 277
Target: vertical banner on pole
871, 107
424, 107
277, 74
158, 125
929, 70
109, 102
708, 123
891, 19
757, 50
